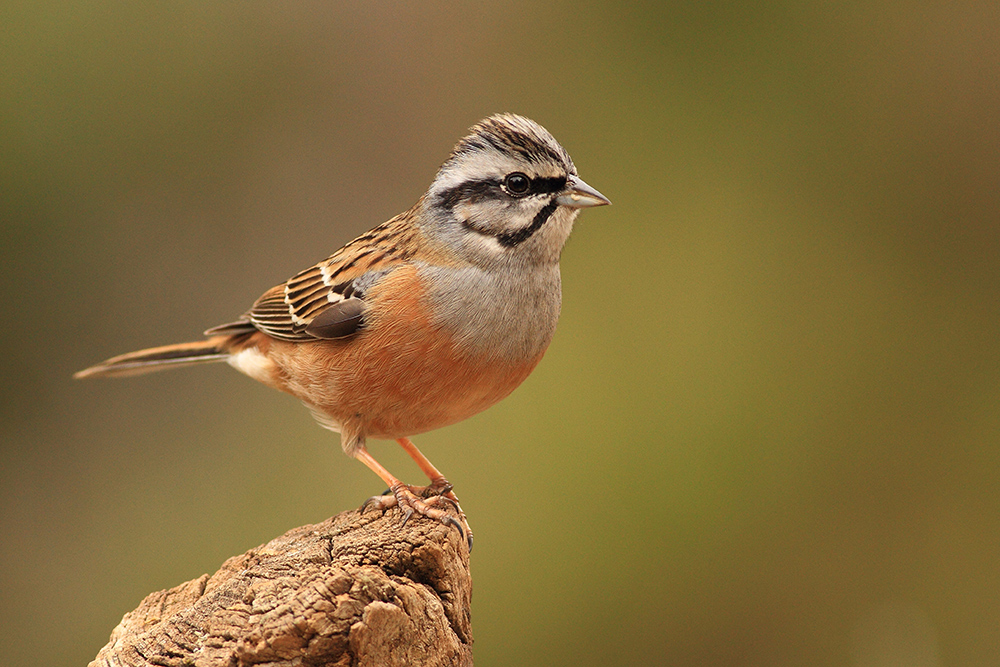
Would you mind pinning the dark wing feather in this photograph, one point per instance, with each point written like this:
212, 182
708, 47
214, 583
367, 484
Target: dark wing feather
339, 320
241, 326
327, 300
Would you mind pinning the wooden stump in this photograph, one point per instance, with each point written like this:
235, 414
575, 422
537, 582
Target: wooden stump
352, 590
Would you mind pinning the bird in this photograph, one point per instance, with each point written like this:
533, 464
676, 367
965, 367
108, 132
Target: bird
422, 322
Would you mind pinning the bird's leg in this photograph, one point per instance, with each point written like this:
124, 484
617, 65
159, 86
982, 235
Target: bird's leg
410, 502
439, 486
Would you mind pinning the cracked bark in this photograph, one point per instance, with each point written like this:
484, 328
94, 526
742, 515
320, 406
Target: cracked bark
352, 590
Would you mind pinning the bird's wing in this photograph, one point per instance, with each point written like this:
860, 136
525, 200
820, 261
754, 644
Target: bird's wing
327, 300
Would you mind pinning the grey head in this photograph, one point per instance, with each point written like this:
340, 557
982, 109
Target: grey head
508, 194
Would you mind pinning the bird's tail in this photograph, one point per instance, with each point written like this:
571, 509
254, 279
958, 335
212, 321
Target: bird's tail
159, 358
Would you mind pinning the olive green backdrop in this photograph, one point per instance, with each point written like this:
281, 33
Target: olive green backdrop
767, 432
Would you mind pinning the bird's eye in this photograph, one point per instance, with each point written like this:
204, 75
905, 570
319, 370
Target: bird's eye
517, 184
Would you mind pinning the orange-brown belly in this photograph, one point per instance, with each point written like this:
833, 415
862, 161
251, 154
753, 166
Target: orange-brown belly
400, 376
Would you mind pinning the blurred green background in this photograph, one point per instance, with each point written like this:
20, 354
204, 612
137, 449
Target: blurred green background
767, 432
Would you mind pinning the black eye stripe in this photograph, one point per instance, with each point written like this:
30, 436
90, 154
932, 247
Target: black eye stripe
547, 185
489, 188
471, 190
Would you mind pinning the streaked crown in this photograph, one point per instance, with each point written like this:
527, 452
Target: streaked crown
510, 134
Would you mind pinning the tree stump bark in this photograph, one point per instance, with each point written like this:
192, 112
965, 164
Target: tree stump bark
352, 590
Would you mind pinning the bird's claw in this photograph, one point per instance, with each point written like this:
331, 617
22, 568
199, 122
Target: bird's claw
422, 500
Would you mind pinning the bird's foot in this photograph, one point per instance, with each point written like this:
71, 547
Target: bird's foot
426, 501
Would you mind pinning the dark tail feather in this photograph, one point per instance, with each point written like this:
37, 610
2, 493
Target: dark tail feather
159, 358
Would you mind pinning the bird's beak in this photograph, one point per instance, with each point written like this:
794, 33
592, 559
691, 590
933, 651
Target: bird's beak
581, 195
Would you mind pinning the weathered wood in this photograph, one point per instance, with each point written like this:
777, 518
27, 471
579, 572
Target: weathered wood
352, 590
